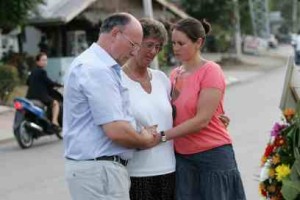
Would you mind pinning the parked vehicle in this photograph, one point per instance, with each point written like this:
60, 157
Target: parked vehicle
32, 120
272, 41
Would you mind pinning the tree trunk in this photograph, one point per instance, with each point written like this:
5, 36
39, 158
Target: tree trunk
1, 50
237, 31
20, 42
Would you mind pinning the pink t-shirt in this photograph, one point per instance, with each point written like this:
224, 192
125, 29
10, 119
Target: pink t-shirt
187, 90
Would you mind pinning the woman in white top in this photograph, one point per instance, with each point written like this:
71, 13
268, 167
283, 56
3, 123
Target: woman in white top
151, 170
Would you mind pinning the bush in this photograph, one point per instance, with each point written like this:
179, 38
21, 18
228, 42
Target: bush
219, 40
20, 62
8, 81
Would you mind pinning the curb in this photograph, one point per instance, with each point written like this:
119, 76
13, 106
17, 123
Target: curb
231, 80
5, 109
249, 79
7, 140
6, 137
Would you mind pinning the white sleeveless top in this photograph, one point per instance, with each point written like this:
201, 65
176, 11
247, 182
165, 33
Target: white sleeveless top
150, 109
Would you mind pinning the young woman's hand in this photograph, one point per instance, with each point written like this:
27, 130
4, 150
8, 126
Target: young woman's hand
225, 120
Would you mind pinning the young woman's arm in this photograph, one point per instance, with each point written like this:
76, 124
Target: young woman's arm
208, 102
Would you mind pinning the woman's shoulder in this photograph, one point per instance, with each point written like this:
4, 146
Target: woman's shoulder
161, 76
211, 64
158, 73
174, 71
210, 67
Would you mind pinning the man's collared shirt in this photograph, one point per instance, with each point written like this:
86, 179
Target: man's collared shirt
93, 96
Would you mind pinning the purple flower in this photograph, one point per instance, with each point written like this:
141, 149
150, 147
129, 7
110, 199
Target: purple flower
277, 128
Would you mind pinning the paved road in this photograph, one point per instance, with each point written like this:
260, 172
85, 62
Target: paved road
33, 174
37, 173
6, 123
253, 109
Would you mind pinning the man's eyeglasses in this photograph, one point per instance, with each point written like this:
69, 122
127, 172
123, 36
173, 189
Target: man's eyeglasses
134, 45
150, 45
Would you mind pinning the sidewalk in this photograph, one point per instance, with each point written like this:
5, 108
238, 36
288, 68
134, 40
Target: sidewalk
6, 123
250, 68
4, 109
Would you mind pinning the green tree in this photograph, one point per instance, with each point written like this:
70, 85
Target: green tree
215, 11
16, 12
219, 12
246, 24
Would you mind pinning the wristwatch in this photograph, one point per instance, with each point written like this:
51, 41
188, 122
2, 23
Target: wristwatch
163, 136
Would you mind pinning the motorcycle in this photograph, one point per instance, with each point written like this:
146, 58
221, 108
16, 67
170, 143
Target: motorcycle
32, 119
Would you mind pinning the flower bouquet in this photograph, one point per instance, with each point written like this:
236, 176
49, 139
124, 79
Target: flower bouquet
280, 172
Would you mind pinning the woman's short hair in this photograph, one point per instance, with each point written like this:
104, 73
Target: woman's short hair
154, 29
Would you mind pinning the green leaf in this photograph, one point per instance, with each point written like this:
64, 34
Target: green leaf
290, 189
287, 130
291, 131
296, 141
16, 12
295, 171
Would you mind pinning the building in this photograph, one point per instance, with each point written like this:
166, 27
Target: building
64, 28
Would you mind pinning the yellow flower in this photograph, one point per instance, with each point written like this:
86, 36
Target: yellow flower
282, 171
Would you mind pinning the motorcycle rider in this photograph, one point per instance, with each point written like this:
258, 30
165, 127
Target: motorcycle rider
40, 86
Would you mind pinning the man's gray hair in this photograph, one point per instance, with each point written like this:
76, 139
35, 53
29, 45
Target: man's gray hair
117, 19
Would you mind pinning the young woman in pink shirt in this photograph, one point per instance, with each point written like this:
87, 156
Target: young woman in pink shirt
206, 168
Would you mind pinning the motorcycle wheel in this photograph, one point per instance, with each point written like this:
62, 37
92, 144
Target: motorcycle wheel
24, 138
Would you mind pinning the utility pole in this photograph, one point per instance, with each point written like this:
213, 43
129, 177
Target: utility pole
295, 13
237, 29
148, 11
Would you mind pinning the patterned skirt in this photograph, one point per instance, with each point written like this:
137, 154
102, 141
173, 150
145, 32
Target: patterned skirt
153, 187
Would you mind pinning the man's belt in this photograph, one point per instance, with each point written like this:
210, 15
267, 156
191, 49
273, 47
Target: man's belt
107, 158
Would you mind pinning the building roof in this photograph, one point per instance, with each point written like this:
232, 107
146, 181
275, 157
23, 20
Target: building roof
60, 11
63, 11
174, 9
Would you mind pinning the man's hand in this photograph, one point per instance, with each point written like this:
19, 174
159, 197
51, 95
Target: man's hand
152, 129
123, 134
150, 136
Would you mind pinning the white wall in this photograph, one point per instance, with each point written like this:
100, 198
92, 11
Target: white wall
33, 37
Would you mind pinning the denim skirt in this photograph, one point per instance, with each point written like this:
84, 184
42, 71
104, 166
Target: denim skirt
209, 175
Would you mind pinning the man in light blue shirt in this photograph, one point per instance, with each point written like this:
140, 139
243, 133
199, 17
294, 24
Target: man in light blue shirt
99, 134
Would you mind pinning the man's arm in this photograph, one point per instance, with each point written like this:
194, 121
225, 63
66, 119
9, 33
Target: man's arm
123, 134
105, 98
